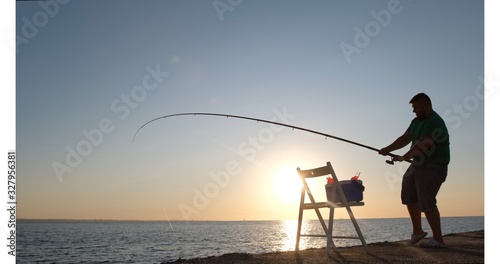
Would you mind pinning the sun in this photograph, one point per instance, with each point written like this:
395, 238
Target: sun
287, 185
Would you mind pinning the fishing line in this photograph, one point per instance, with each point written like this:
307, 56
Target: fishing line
172, 228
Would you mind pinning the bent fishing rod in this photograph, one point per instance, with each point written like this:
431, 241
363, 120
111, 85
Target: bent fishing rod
269, 122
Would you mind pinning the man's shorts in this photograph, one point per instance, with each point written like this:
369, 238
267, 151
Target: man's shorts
421, 185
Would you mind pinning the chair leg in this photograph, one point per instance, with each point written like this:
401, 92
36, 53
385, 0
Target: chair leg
358, 230
321, 220
329, 241
299, 226
297, 242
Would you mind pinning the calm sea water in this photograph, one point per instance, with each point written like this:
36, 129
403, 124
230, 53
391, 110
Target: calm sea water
155, 242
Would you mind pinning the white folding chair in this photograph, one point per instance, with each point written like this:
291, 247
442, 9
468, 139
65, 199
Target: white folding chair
316, 206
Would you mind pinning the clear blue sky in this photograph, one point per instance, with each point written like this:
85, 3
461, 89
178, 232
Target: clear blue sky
90, 74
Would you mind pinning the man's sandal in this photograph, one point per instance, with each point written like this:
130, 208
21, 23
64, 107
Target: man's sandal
415, 238
432, 244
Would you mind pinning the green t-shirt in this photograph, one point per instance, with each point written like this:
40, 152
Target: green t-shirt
433, 127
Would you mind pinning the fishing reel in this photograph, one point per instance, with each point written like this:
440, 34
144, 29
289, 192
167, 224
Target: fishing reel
392, 160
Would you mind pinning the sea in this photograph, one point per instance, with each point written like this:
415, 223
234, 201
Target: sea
73, 241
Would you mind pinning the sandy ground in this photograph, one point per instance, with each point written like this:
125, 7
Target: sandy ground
461, 248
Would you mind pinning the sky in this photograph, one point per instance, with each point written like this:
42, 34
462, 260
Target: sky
91, 73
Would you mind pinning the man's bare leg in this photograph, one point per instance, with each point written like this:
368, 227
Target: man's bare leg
416, 218
434, 219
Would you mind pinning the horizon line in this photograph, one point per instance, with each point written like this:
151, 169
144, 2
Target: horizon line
205, 220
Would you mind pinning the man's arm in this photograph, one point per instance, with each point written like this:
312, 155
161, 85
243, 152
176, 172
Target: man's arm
400, 142
423, 146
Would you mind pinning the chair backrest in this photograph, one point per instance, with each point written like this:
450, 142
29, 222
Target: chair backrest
317, 172
313, 173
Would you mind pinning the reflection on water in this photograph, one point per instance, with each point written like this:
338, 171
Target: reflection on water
288, 234
289, 237
289, 228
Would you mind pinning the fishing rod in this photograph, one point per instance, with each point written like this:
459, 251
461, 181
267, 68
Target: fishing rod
269, 122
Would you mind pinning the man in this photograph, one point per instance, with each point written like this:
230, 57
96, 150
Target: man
429, 155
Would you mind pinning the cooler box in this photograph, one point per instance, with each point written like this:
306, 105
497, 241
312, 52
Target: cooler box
353, 191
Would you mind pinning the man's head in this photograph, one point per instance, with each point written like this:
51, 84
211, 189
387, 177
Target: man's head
422, 105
